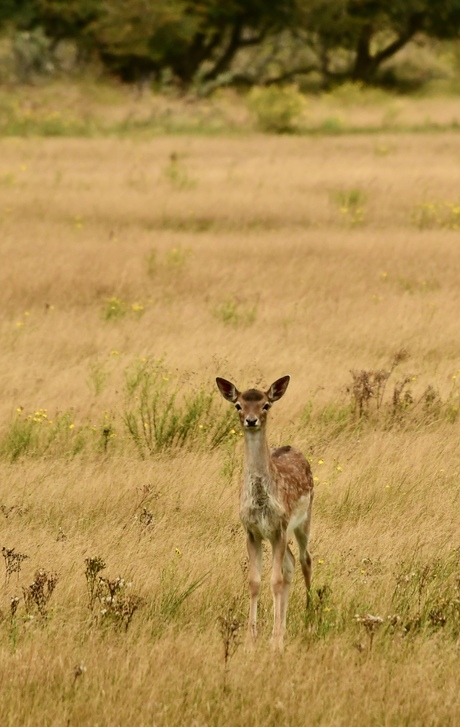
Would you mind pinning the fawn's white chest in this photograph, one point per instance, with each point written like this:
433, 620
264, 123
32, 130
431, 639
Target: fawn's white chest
260, 511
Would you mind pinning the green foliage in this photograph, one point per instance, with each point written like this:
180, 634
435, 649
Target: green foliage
32, 55
332, 125
98, 376
231, 463
410, 285
38, 435
169, 265
176, 258
175, 589
177, 175
335, 418
368, 34
351, 206
35, 434
426, 597
436, 215
277, 110
19, 120
231, 312
201, 44
115, 308
321, 615
158, 416
355, 93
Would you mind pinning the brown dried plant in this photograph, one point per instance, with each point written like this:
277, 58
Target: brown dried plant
370, 385
230, 626
116, 603
93, 567
371, 624
13, 562
40, 591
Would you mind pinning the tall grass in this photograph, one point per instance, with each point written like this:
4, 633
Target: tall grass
124, 587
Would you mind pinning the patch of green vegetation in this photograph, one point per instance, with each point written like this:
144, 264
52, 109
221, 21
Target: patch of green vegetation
277, 109
157, 416
351, 205
115, 308
177, 175
436, 215
232, 312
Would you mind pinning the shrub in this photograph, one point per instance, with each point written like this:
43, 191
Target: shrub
277, 110
157, 416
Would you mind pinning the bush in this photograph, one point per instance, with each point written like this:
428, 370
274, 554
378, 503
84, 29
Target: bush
277, 110
158, 416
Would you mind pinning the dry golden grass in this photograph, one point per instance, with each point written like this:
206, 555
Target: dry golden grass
246, 258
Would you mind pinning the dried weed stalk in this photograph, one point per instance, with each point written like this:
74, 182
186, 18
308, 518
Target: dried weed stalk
14, 606
370, 385
77, 672
371, 624
39, 592
230, 626
93, 567
116, 603
13, 562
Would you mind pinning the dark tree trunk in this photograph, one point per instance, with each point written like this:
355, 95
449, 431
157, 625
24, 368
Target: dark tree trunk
200, 50
366, 65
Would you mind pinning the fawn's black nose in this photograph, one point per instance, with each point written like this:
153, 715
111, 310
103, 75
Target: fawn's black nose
251, 422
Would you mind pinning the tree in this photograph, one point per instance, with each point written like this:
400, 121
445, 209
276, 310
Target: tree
369, 32
204, 40
190, 37
17, 13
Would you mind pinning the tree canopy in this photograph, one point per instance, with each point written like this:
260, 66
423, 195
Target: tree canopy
204, 40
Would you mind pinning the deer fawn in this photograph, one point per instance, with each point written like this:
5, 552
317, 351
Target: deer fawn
276, 499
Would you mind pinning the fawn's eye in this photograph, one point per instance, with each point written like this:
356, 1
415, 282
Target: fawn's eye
238, 406
266, 406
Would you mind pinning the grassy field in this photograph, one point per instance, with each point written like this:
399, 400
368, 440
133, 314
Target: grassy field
87, 108
135, 271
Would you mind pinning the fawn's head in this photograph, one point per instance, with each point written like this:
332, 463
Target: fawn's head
253, 405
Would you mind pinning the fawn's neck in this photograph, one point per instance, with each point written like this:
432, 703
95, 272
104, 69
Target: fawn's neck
257, 455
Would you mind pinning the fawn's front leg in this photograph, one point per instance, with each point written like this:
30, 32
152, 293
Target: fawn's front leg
254, 546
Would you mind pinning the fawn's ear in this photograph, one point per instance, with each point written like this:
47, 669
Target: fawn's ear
227, 389
278, 388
